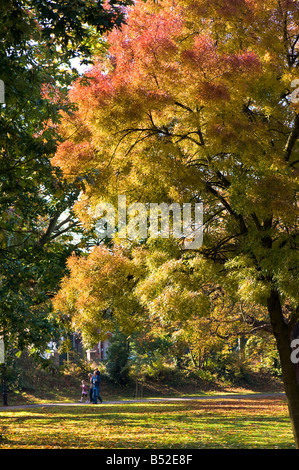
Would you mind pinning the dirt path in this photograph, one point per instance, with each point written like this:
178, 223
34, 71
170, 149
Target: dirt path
250, 396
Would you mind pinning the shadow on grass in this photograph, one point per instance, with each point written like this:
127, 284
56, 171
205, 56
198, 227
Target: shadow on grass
192, 425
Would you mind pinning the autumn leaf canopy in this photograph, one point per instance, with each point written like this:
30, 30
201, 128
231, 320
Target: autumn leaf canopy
193, 103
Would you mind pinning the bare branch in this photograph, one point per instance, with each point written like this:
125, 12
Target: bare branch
292, 139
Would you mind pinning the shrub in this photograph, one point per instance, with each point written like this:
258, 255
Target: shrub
117, 365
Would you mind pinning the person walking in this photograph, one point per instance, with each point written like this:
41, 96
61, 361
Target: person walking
90, 388
99, 378
83, 391
96, 380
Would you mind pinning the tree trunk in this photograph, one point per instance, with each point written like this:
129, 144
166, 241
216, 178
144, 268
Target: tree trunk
283, 341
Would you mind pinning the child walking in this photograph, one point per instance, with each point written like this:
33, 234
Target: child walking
83, 391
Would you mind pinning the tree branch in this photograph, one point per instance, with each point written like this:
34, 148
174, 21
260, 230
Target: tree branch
53, 232
292, 139
238, 217
51, 227
74, 224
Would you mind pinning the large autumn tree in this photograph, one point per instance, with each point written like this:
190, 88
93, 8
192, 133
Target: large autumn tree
194, 104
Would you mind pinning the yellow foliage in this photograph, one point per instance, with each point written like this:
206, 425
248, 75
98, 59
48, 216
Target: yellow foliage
192, 104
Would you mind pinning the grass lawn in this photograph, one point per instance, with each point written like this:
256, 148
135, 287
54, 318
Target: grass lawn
204, 424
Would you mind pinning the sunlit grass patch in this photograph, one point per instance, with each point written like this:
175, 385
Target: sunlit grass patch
262, 423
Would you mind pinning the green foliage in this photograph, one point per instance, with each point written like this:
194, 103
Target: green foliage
262, 353
229, 367
76, 366
24, 371
149, 353
117, 365
37, 226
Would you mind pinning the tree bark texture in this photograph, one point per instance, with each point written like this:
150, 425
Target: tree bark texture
289, 375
